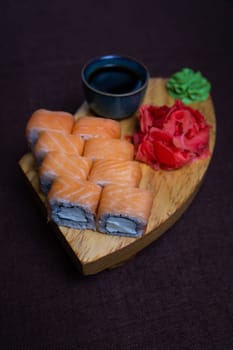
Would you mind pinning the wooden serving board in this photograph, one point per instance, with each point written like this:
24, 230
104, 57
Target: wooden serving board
173, 192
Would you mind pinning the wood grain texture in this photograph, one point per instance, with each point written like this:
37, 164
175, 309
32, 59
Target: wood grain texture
173, 192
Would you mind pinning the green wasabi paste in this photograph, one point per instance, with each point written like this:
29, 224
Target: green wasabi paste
188, 86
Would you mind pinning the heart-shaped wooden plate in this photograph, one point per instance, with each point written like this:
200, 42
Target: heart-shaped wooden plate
173, 192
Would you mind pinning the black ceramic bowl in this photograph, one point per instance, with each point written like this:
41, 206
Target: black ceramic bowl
114, 86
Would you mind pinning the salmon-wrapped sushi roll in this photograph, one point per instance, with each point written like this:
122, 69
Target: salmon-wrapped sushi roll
107, 171
124, 211
89, 127
53, 141
108, 149
58, 163
43, 119
72, 203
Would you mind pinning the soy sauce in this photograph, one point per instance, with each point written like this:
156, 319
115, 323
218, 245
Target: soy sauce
115, 80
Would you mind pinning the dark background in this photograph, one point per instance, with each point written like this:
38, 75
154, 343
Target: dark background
178, 292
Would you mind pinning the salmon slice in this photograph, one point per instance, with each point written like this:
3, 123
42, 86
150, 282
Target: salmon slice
53, 141
58, 163
107, 171
73, 203
108, 149
43, 119
124, 211
88, 127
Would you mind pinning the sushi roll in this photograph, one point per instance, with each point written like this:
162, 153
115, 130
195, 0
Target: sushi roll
100, 148
58, 163
43, 119
89, 127
107, 171
124, 211
53, 141
72, 203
